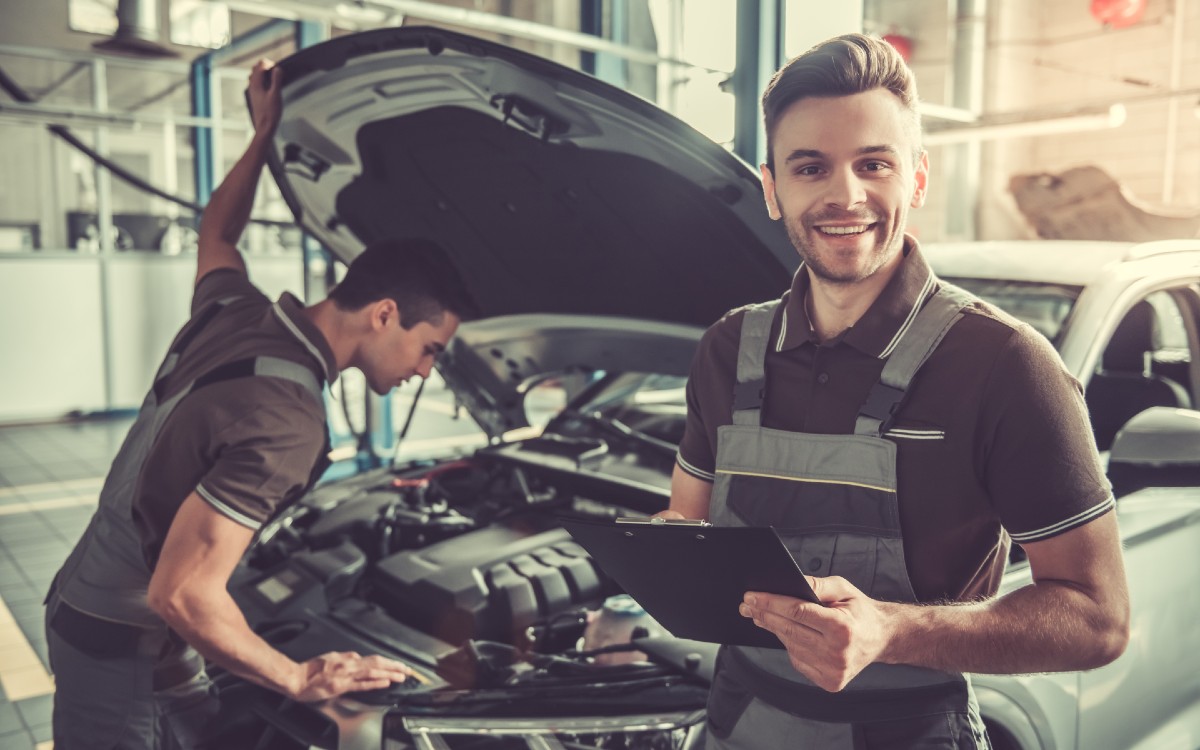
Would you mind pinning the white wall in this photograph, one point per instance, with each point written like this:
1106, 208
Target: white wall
1046, 54
52, 349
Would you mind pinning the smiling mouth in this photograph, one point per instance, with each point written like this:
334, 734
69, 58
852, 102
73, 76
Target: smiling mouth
841, 231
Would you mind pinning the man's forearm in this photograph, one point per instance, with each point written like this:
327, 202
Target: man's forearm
216, 628
228, 211
1047, 627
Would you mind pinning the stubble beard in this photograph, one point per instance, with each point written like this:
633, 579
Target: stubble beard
882, 251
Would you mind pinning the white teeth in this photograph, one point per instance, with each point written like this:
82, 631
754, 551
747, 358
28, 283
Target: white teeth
845, 230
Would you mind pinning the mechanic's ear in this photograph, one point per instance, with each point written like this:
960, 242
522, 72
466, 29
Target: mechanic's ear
768, 184
921, 181
383, 312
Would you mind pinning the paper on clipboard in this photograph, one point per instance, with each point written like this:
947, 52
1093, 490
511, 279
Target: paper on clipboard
691, 578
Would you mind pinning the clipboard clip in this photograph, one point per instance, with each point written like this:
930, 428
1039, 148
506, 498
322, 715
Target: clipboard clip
664, 521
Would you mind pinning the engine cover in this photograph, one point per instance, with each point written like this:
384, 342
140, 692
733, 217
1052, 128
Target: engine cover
490, 584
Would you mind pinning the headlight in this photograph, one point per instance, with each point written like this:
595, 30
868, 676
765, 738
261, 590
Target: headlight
667, 731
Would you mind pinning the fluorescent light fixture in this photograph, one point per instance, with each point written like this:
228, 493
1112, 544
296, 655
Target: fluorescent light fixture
1101, 119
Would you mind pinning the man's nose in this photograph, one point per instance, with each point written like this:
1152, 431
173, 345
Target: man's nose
846, 189
426, 367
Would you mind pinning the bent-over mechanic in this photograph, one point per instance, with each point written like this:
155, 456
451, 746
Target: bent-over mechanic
232, 430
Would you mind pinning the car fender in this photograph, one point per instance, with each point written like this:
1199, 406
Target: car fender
1037, 711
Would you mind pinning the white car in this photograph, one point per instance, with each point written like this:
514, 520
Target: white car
1126, 320
601, 236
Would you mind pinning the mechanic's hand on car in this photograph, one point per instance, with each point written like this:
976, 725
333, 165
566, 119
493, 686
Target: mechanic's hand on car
337, 672
828, 644
266, 104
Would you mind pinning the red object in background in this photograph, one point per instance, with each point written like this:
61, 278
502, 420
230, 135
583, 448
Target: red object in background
902, 44
1118, 14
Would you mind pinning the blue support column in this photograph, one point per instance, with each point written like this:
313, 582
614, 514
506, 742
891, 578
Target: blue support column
202, 138
759, 55
201, 78
605, 66
610, 68
309, 33
591, 21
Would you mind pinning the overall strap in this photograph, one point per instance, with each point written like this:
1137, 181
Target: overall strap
750, 385
931, 325
190, 331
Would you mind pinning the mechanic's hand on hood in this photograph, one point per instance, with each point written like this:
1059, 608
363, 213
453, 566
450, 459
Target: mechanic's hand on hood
266, 104
337, 672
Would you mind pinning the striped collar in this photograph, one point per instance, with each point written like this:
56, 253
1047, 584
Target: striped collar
879, 329
289, 311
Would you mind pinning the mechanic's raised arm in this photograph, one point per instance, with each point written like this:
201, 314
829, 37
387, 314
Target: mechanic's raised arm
188, 590
228, 211
1075, 615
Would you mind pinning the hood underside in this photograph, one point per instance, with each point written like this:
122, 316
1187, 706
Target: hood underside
553, 191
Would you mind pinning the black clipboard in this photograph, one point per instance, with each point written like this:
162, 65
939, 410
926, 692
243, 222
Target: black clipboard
691, 578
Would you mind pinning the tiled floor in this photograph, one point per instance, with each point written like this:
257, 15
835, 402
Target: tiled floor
50, 477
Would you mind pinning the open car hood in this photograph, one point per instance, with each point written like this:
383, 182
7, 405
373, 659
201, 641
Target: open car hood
552, 191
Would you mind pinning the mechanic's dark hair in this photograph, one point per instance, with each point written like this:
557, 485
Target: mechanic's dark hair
843, 66
416, 274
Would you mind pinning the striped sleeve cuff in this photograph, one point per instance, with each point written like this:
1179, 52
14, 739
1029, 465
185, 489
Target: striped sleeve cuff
707, 476
1079, 519
228, 511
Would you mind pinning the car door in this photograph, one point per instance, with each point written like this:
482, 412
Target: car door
1150, 696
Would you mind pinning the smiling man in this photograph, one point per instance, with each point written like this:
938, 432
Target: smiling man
232, 431
898, 434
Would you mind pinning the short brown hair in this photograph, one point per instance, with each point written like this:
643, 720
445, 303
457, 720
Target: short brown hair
415, 273
842, 66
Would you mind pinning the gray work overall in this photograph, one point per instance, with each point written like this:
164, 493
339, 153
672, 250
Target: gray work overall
123, 679
833, 500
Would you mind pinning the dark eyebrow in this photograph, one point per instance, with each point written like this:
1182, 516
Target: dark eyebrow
892, 150
812, 153
804, 153
437, 347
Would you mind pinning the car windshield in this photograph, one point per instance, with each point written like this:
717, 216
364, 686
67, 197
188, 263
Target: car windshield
1041, 305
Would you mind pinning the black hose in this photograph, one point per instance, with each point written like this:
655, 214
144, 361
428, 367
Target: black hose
63, 132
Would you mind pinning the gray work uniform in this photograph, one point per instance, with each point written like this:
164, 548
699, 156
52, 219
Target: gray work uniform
833, 500
123, 679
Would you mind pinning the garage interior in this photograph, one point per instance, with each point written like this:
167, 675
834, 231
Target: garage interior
1048, 119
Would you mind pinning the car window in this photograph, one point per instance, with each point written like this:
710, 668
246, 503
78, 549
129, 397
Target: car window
440, 425
546, 398
1043, 306
1146, 362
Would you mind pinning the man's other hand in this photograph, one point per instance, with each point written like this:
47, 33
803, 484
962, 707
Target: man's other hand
337, 672
828, 644
266, 104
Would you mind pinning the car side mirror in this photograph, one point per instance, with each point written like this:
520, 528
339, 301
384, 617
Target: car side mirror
1159, 447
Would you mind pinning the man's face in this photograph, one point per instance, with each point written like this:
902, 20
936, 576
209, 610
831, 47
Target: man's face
394, 354
844, 182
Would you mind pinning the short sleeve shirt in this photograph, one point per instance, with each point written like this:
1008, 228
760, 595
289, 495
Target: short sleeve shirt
993, 438
248, 445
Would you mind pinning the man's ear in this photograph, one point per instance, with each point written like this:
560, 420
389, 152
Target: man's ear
768, 184
383, 312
